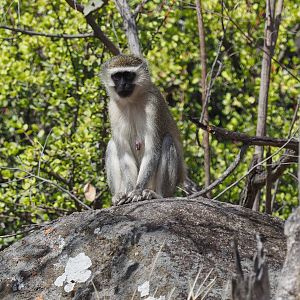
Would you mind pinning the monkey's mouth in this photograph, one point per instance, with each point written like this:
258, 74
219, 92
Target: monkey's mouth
125, 90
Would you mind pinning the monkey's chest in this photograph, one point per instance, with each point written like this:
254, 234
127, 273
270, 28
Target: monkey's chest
132, 130
137, 144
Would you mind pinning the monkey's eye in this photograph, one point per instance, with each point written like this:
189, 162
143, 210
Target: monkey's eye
117, 76
124, 76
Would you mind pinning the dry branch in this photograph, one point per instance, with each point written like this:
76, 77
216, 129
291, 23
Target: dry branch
51, 183
129, 26
256, 180
229, 170
225, 134
255, 286
204, 115
96, 28
51, 35
277, 169
269, 183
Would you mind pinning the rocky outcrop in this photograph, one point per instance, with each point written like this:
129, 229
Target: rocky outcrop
147, 250
289, 283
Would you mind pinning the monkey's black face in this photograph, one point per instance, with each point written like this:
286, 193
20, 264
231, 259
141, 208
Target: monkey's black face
123, 81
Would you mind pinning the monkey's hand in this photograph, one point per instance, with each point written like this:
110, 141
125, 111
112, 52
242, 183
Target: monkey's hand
140, 195
119, 199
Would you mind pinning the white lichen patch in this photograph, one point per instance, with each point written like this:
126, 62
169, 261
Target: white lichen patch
61, 242
144, 288
76, 270
97, 230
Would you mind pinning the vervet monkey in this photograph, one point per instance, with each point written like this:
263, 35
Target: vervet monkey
144, 158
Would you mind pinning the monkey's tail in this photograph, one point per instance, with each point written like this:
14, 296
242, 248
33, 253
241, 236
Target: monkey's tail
190, 187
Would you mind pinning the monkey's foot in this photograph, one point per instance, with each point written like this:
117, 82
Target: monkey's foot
149, 194
140, 195
119, 199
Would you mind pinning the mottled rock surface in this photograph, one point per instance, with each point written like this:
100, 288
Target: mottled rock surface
289, 283
115, 253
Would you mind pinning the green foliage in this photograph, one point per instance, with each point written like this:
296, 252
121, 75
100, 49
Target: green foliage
53, 120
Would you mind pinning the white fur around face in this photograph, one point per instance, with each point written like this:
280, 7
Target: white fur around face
120, 69
141, 81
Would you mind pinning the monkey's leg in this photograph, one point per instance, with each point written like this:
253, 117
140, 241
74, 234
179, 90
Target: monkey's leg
166, 176
168, 168
121, 170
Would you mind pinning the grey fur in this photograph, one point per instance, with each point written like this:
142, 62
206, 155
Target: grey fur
156, 166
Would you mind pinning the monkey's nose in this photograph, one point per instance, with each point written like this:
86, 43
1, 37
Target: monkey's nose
127, 87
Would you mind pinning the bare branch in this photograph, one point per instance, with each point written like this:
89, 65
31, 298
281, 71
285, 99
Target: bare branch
129, 26
55, 176
96, 28
51, 183
139, 7
42, 152
257, 284
269, 184
251, 41
246, 139
51, 35
228, 171
253, 168
204, 115
277, 170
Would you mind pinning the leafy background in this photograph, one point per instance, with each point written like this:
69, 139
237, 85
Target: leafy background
53, 123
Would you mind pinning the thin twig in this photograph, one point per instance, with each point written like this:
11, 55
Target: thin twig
269, 184
42, 152
204, 115
24, 231
294, 117
228, 171
253, 168
14, 180
50, 35
213, 78
139, 7
156, 259
96, 28
52, 183
251, 41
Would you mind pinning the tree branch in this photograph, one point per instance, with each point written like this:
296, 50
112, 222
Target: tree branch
277, 170
229, 170
139, 7
251, 41
129, 26
51, 183
225, 134
251, 170
97, 30
204, 115
269, 184
51, 35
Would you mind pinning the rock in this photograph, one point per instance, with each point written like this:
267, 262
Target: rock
147, 250
289, 283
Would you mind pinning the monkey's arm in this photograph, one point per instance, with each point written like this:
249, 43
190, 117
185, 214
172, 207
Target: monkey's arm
128, 166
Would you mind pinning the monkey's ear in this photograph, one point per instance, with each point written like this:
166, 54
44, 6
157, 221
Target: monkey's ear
104, 74
145, 61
